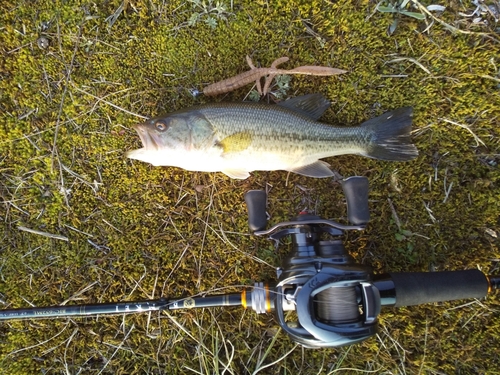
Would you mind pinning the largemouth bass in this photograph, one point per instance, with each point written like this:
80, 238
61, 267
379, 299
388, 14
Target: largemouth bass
238, 138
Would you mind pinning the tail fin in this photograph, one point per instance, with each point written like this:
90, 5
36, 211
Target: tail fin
391, 136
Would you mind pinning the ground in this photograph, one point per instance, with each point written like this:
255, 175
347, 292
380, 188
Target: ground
76, 75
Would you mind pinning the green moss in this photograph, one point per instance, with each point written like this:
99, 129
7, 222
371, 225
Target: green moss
135, 231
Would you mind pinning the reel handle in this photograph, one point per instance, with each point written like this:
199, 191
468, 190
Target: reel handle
256, 201
356, 194
355, 190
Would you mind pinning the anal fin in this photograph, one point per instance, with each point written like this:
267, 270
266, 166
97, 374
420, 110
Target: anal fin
318, 169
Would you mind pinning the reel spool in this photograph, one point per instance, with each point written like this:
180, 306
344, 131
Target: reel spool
337, 305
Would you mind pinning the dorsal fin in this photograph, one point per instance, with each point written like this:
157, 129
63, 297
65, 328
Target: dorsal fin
312, 105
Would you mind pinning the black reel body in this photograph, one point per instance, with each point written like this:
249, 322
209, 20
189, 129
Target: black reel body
333, 296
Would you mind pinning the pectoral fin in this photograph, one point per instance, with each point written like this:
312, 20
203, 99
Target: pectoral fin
236, 142
236, 174
318, 169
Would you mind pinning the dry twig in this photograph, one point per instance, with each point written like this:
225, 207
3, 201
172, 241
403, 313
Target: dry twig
453, 29
44, 234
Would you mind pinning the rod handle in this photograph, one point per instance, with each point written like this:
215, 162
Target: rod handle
415, 288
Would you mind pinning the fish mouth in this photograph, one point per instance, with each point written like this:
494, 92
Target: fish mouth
149, 141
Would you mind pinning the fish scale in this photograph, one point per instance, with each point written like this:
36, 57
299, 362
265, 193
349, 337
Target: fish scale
238, 138
276, 128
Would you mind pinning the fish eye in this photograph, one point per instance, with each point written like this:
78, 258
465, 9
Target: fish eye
161, 126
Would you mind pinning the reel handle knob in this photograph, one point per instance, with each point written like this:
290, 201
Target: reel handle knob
256, 201
356, 193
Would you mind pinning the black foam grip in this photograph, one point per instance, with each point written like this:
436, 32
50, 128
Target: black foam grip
415, 288
256, 201
356, 194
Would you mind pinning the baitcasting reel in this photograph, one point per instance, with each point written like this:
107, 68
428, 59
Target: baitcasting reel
334, 297
336, 300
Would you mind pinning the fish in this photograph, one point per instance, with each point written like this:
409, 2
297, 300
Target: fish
242, 137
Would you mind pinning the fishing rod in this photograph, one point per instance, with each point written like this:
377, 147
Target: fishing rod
337, 301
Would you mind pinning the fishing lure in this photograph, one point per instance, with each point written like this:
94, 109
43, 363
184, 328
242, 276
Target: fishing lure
255, 75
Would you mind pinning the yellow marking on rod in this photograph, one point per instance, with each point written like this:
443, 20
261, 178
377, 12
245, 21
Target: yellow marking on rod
268, 299
244, 298
189, 303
